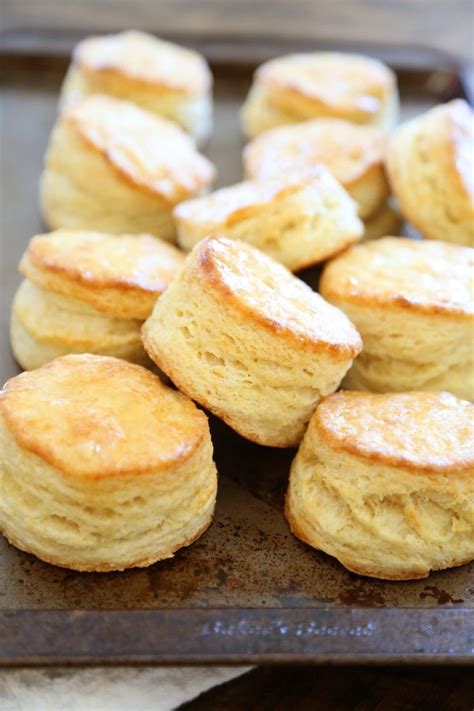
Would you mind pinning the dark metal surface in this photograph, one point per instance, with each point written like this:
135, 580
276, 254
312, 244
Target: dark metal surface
233, 636
195, 607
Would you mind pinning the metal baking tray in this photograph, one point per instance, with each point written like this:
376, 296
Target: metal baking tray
247, 591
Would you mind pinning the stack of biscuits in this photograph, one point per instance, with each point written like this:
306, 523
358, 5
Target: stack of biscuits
146, 276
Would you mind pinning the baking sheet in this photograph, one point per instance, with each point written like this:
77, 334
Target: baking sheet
247, 590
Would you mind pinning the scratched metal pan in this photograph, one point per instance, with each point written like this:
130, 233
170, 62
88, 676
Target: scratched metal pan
247, 591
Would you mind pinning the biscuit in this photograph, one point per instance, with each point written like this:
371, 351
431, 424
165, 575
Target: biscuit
301, 87
353, 154
87, 292
430, 164
412, 302
104, 467
161, 77
242, 336
387, 221
297, 222
385, 483
113, 167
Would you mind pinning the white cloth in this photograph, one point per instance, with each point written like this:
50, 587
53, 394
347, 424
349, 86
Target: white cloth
108, 688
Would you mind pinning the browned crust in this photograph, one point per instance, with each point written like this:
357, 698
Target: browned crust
140, 80
105, 297
291, 90
182, 455
354, 567
242, 212
331, 289
108, 567
131, 298
268, 76
463, 468
395, 302
121, 171
110, 70
360, 172
68, 274
245, 211
212, 281
43, 453
71, 273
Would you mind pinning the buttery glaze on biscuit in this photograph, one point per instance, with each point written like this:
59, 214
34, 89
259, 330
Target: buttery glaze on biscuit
277, 300
300, 87
161, 77
298, 222
430, 277
147, 59
88, 292
105, 467
385, 483
117, 274
113, 167
387, 429
83, 415
413, 304
148, 151
245, 338
430, 164
354, 155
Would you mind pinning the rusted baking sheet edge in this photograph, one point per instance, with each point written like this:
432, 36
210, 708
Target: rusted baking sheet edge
269, 636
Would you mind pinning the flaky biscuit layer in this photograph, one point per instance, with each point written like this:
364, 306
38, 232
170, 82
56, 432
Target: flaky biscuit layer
104, 467
385, 483
248, 340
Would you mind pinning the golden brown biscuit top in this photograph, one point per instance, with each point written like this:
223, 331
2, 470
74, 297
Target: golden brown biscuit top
146, 149
101, 260
417, 430
237, 202
432, 277
273, 297
114, 273
349, 83
347, 150
94, 417
144, 58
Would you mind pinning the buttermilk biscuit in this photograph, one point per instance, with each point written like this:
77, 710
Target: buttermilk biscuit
163, 78
413, 304
300, 87
353, 154
103, 466
114, 167
87, 292
385, 483
386, 221
297, 222
245, 338
430, 165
